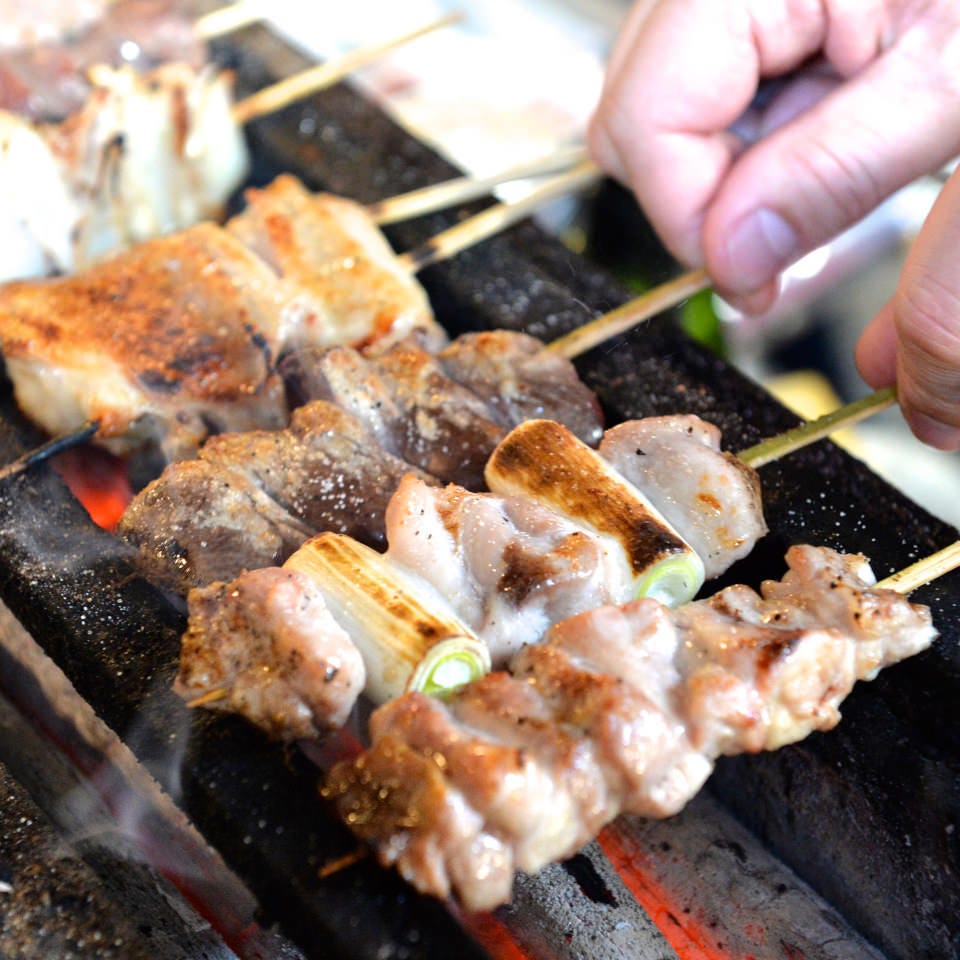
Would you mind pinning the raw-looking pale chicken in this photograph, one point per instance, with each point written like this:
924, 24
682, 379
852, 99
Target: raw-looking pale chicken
620, 709
711, 497
273, 617
516, 567
145, 155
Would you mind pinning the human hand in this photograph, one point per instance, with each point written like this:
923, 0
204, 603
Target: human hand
914, 341
868, 99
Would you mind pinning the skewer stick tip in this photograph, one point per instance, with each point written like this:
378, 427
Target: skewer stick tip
211, 696
228, 19
495, 219
314, 79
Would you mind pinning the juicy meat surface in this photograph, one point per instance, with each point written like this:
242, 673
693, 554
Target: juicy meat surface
329, 248
267, 642
509, 566
199, 522
620, 709
712, 498
415, 412
252, 498
519, 380
167, 342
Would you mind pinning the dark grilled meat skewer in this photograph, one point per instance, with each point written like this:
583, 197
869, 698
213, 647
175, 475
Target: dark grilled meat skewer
252, 498
328, 471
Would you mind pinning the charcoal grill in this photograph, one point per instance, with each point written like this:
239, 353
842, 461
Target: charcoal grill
843, 846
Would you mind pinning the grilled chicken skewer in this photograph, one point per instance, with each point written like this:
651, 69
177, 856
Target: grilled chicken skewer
340, 461
621, 710
509, 564
184, 331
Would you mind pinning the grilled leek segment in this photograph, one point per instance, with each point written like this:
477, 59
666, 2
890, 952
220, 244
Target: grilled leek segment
407, 633
544, 460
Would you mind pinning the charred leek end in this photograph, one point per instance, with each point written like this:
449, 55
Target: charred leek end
406, 632
544, 460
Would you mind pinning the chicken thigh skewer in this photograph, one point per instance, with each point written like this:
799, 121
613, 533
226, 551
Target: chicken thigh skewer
184, 331
509, 565
620, 710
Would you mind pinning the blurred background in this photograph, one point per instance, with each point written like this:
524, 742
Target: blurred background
517, 79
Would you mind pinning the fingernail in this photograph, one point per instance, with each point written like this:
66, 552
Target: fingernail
758, 247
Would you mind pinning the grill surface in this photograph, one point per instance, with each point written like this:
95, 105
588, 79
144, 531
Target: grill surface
866, 814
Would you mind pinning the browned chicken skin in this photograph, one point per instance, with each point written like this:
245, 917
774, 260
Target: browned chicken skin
178, 337
166, 341
621, 709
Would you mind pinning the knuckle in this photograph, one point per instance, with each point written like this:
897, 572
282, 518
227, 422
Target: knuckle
927, 315
845, 180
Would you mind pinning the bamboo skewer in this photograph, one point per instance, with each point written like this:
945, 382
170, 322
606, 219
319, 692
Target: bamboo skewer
904, 582
450, 242
642, 308
213, 695
228, 19
807, 433
924, 571
674, 292
49, 449
406, 206
287, 91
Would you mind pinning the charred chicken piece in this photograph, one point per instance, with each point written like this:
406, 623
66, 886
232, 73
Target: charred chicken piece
145, 155
266, 646
621, 709
165, 343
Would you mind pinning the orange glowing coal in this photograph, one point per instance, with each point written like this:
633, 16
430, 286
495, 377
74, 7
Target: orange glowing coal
99, 480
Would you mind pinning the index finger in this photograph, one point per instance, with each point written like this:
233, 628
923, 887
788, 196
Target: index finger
682, 74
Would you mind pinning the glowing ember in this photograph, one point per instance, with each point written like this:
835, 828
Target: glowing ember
98, 480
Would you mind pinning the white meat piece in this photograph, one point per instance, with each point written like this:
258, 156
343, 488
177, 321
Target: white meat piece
146, 155
621, 709
510, 567
330, 248
711, 497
